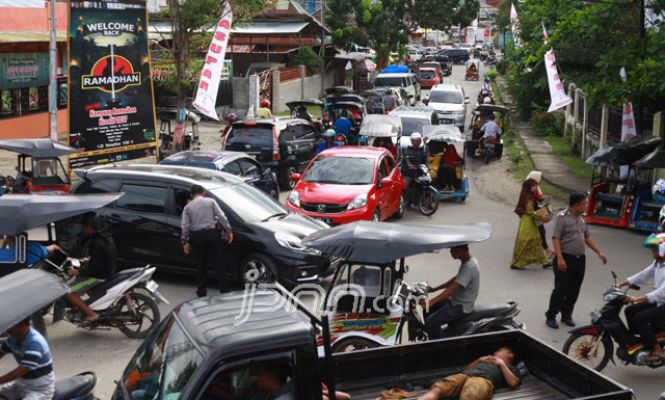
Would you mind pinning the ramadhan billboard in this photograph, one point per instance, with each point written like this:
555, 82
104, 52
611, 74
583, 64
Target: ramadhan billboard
111, 109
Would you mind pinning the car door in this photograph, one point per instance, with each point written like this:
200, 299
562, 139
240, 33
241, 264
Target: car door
178, 197
383, 192
253, 174
233, 168
139, 221
303, 143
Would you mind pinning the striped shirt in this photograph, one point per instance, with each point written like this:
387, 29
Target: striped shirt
33, 354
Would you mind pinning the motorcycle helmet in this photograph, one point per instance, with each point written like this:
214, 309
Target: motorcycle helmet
487, 100
329, 133
231, 118
265, 103
487, 79
656, 240
416, 136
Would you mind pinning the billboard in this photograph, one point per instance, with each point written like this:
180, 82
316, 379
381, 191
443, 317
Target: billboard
111, 109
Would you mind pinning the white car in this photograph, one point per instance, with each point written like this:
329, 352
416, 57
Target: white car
407, 81
661, 222
450, 103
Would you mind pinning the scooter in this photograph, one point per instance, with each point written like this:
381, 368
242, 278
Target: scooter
593, 344
422, 193
77, 387
117, 300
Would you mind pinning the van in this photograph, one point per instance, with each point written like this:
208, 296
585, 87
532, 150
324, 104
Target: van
407, 81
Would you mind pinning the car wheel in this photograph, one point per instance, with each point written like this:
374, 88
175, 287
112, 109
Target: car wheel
285, 183
258, 268
400, 209
376, 216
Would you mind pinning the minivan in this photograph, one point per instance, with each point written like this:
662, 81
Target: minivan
408, 81
450, 103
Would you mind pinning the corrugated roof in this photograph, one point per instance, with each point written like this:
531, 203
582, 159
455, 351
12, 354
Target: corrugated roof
267, 28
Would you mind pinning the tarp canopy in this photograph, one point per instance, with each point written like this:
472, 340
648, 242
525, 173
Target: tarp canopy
311, 102
445, 133
395, 69
384, 242
39, 148
655, 159
624, 153
347, 105
339, 90
21, 212
491, 108
25, 292
381, 126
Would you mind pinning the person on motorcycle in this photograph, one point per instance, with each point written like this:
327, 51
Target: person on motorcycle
264, 110
99, 256
343, 125
486, 88
649, 308
328, 141
414, 155
490, 131
458, 297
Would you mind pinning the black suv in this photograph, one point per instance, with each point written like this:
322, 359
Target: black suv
457, 56
285, 145
145, 222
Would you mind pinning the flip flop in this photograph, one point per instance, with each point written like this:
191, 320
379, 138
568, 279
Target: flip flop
86, 322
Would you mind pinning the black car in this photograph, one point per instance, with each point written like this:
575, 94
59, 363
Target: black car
232, 162
145, 222
457, 56
285, 145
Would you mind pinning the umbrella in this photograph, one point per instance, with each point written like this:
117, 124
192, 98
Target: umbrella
25, 292
384, 242
624, 153
652, 160
40, 148
22, 212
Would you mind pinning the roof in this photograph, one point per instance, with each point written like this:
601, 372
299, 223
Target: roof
397, 75
269, 28
355, 152
207, 178
281, 122
223, 324
422, 112
447, 86
205, 155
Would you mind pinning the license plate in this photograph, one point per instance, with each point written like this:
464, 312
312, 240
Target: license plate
324, 220
447, 121
151, 286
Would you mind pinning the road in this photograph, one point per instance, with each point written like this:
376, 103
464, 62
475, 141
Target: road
493, 194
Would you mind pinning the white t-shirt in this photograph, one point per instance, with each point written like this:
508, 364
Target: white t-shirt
491, 129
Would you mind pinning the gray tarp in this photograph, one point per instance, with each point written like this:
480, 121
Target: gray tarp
624, 153
40, 148
22, 212
381, 126
25, 292
384, 242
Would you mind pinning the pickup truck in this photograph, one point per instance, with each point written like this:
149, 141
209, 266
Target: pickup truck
217, 348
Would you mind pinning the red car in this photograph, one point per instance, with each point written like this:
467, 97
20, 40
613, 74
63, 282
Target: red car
428, 78
346, 184
434, 64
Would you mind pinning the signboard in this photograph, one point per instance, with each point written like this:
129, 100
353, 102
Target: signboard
19, 70
111, 110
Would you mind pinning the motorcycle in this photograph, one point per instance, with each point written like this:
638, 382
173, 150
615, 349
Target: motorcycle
488, 149
77, 387
422, 193
595, 341
117, 300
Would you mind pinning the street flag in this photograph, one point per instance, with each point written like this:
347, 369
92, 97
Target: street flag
558, 95
628, 130
546, 38
206, 94
515, 25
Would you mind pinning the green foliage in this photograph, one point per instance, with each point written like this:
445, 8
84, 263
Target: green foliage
443, 14
493, 74
307, 56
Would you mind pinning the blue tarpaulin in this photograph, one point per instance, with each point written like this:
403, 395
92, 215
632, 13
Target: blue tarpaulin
395, 69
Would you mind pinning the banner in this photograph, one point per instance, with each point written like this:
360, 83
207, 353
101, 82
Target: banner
19, 70
206, 94
111, 110
558, 95
515, 25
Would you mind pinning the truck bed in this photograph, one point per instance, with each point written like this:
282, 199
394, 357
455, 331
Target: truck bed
414, 367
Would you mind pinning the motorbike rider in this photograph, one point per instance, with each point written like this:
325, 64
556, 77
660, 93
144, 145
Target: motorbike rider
649, 308
343, 125
264, 109
328, 141
99, 256
490, 130
458, 297
414, 155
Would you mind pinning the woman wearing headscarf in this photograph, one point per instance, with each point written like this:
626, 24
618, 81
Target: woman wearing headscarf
528, 248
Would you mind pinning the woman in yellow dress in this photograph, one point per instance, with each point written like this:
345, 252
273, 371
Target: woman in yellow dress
528, 248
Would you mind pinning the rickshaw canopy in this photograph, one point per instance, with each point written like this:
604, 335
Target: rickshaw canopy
472, 62
347, 105
339, 90
491, 108
655, 159
27, 291
38, 148
624, 153
348, 98
374, 126
445, 133
304, 103
383, 242
21, 212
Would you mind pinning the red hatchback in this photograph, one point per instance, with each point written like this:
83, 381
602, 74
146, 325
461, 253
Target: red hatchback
428, 78
346, 184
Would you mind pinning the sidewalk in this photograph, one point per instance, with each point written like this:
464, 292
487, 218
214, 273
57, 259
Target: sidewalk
541, 153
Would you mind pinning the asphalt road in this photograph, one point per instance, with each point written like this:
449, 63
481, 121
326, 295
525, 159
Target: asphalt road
493, 193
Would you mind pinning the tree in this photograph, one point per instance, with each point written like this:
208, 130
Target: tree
190, 21
443, 14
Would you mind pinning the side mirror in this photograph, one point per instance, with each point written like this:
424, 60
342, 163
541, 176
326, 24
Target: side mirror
425, 101
295, 177
385, 182
466, 100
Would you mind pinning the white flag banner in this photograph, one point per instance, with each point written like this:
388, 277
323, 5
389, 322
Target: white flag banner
628, 130
557, 93
206, 93
515, 25
22, 3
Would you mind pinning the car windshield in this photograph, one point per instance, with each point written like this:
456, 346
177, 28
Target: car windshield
426, 74
431, 65
385, 81
251, 204
163, 364
410, 125
443, 96
255, 136
341, 171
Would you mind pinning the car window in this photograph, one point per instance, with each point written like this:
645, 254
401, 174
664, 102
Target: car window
384, 171
148, 199
297, 131
259, 135
246, 381
446, 96
391, 164
250, 168
249, 203
180, 199
391, 81
233, 168
410, 125
340, 170
101, 186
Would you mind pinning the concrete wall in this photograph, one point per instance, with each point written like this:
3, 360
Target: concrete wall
301, 89
241, 93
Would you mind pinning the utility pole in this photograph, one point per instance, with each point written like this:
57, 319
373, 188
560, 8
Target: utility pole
323, 46
642, 37
53, 81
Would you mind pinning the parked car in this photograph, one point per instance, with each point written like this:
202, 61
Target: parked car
436, 66
285, 144
232, 162
145, 222
428, 77
457, 56
450, 103
415, 118
407, 81
347, 184
443, 61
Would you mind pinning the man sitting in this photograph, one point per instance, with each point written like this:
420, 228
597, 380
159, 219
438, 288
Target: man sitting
479, 379
490, 130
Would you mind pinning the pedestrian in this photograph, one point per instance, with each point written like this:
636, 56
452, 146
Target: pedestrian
33, 379
528, 248
204, 226
569, 237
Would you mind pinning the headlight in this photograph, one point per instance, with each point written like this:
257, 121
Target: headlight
294, 243
359, 202
294, 199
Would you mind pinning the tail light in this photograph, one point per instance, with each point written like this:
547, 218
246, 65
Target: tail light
275, 144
